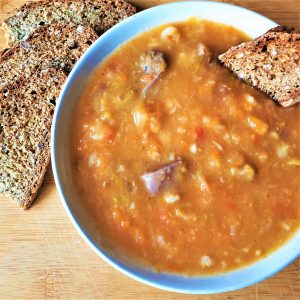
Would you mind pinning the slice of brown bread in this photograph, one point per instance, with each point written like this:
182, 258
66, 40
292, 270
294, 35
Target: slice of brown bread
98, 14
26, 110
270, 63
59, 45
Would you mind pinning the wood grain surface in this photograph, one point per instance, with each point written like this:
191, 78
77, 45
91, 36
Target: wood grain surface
43, 257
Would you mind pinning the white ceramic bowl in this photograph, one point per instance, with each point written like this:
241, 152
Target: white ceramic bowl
251, 23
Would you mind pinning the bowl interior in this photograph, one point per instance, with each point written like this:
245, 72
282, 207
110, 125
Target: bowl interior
252, 24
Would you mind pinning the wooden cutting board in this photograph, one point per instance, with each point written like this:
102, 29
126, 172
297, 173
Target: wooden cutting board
43, 257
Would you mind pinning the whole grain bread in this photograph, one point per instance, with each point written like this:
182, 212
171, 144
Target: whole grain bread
59, 45
98, 14
26, 109
270, 63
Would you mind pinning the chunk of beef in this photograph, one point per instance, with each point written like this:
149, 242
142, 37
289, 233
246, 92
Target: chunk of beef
155, 180
153, 64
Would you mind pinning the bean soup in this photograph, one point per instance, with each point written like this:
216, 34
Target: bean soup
185, 168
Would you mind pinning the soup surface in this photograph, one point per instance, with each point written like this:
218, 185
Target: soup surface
183, 167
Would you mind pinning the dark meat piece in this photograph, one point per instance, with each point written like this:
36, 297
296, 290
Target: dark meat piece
153, 64
158, 178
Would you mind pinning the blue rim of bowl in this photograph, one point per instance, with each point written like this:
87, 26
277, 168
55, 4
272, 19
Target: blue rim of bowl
97, 249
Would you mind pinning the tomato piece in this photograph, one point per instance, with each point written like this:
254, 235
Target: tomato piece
199, 133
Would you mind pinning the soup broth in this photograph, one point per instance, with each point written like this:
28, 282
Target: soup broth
184, 167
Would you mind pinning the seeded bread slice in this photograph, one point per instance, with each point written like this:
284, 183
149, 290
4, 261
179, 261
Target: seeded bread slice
270, 63
98, 14
58, 45
26, 110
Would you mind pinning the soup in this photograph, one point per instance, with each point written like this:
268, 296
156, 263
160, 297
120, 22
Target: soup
183, 167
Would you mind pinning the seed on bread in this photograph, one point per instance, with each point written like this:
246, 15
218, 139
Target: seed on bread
59, 45
270, 63
26, 110
97, 14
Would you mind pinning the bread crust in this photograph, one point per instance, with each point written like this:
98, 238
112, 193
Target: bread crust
270, 63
